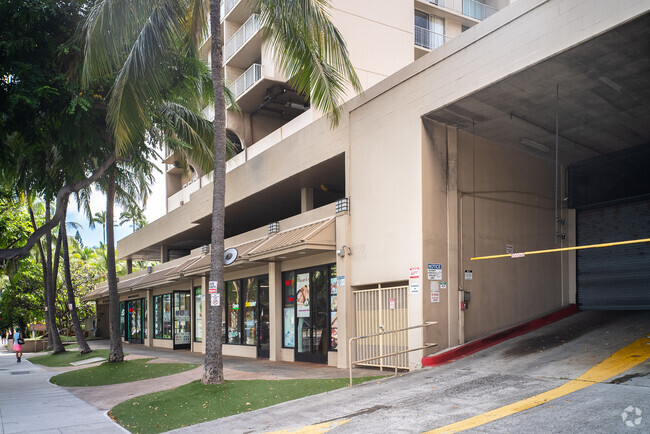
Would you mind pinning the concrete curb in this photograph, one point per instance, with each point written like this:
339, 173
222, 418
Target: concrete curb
489, 341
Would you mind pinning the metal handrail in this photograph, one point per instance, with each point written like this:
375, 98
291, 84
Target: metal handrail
241, 36
356, 338
428, 38
477, 10
251, 76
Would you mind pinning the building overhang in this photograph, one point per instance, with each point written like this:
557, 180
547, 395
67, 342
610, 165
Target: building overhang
600, 89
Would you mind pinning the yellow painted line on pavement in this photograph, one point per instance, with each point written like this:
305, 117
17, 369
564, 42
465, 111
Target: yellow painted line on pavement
313, 429
619, 362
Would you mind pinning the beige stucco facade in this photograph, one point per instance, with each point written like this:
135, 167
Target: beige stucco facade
422, 189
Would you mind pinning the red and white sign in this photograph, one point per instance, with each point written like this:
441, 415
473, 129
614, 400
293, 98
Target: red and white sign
414, 273
212, 287
392, 304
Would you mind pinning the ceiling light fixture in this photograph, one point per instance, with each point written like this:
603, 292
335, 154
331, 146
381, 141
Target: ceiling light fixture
533, 144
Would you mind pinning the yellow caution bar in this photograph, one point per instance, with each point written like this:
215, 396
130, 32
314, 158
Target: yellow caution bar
561, 249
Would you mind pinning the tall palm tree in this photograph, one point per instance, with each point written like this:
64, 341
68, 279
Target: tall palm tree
307, 46
311, 51
134, 215
99, 217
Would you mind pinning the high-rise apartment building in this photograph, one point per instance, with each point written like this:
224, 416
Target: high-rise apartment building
484, 128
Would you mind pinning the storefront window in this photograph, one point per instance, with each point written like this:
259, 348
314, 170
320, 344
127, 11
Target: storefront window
288, 314
157, 317
233, 291
250, 310
146, 318
162, 323
334, 335
122, 318
198, 315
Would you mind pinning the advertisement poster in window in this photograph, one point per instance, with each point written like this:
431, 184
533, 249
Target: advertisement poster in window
335, 331
302, 295
289, 333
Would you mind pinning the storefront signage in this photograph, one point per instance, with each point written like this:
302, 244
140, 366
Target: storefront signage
434, 271
182, 338
340, 281
212, 287
302, 295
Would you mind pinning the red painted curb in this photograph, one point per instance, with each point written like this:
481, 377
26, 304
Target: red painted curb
489, 341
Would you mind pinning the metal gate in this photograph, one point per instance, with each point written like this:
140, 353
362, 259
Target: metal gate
381, 310
614, 277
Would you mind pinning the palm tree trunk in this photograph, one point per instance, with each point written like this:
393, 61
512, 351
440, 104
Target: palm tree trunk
50, 284
50, 342
116, 354
81, 342
213, 366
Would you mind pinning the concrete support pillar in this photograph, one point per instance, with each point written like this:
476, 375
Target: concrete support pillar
275, 311
129, 266
454, 326
345, 298
204, 293
150, 318
164, 254
306, 199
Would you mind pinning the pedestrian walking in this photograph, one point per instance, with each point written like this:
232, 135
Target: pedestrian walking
18, 344
3, 337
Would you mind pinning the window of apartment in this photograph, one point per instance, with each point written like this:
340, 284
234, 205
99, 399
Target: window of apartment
198, 315
429, 30
162, 323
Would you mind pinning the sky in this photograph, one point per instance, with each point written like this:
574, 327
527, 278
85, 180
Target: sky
154, 209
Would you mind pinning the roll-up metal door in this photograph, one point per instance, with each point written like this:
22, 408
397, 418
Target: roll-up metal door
615, 277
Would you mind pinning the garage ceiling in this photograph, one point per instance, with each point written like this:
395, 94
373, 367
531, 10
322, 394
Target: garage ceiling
604, 99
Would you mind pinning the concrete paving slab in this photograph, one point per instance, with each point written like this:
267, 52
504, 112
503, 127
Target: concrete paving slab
30, 404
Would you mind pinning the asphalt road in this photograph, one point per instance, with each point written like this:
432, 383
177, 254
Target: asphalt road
513, 371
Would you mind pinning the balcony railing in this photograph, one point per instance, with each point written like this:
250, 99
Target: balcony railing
227, 6
437, 2
428, 38
247, 79
245, 32
477, 10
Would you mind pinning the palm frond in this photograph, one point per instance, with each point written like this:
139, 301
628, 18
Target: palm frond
310, 51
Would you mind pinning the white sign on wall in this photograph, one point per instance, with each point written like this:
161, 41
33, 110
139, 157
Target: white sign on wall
215, 299
434, 271
468, 274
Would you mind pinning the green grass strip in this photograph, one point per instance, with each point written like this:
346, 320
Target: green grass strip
121, 372
64, 359
196, 402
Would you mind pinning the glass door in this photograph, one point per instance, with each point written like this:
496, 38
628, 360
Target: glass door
133, 321
263, 329
312, 315
182, 324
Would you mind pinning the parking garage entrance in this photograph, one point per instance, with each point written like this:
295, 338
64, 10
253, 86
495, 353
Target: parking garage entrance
611, 195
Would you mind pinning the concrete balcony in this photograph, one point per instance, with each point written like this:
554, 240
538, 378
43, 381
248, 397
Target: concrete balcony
429, 39
245, 81
478, 11
245, 45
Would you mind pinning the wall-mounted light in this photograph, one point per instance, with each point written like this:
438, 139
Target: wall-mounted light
274, 227
343, 204
533, 144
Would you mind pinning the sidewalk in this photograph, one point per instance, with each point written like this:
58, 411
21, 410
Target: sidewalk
30, 404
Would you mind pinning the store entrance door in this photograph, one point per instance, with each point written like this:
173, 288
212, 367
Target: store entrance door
263, 328
135, 321
182, 324
312, 313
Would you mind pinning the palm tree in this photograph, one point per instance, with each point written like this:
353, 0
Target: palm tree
307, 47
134, 215
99, 217
310, 50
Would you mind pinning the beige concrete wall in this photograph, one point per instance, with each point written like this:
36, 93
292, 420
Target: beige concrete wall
506, 197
